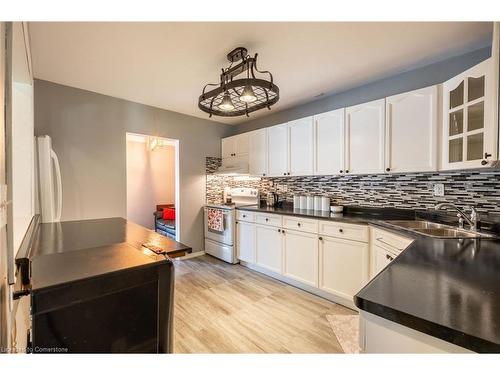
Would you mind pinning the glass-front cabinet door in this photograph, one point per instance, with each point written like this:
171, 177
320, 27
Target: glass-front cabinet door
469, 132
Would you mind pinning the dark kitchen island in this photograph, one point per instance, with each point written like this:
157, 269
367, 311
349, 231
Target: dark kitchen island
95, 288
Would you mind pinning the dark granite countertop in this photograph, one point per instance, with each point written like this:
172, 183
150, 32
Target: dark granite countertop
446, 288
354, 215
73, 250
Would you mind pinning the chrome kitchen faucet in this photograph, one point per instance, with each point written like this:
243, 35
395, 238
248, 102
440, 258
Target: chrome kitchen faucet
472, 220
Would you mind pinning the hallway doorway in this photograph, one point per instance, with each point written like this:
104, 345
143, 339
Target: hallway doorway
153, 183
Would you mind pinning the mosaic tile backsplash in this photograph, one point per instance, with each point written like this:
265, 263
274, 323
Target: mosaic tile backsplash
414, 190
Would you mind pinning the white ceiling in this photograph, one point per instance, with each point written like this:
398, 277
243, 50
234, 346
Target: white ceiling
167, 64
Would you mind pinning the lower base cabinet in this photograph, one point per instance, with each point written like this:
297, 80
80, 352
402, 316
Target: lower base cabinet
269, 248
379, 335
330, 266
245, 241
301, 257
381, 258
343, 266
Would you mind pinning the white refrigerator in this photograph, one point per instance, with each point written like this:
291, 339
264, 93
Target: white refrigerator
49, 181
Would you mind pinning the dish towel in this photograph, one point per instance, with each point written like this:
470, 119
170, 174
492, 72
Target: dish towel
215, 218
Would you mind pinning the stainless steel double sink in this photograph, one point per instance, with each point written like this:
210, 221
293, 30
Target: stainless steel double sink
436, 230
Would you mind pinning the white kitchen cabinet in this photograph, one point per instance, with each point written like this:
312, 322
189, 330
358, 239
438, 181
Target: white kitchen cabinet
344, 266
277, 150
381, 258
269, 248
411, 131
385, 246
257, 152
301, 147
379, 335
364, 140
235, 146
245, 241
469, 129
329, 142
301, 256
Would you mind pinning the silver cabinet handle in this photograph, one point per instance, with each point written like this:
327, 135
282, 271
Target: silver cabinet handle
388, 244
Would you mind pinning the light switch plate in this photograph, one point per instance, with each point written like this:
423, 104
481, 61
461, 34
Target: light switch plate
439, 190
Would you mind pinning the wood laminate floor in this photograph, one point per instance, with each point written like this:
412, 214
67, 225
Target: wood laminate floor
223, 308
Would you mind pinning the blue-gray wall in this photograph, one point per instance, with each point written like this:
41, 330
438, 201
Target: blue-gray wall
411, 80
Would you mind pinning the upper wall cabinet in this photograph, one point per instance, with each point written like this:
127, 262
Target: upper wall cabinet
329, 142
411, 131
364, 138
277, 150
235, 146
257, 152
301, 147
469, 131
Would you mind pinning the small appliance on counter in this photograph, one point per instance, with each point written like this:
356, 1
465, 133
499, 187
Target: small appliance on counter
273, 200
220, 222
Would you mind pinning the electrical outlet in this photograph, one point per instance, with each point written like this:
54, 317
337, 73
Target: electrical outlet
439, 190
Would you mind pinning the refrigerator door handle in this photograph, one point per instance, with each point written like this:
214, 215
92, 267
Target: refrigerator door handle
57, 169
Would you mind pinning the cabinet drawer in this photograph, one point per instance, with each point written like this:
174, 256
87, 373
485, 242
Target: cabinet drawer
389, 240
245, 216
342, 230
300, 224
268, 219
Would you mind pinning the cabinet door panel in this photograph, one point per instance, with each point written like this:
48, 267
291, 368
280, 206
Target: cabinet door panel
469, 128
329, 142
257, 152
227, 147
269, 248
411, 131
277, 142
241, 144
301, 257
301, 147
381, 259
245, 240
344, 266
365, 137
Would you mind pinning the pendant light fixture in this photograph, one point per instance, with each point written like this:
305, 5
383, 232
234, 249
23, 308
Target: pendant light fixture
226, 104
240, 91
248, 96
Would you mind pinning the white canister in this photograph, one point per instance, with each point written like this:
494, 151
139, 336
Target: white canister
303, 202
317, 203
310, 202
296, 201
325, 204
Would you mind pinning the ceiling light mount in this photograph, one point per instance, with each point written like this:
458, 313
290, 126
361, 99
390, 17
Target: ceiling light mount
237, 96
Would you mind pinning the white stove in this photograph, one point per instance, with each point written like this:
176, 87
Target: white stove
221, 244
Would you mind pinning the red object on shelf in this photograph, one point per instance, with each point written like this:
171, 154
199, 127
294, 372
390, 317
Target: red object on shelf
169, 214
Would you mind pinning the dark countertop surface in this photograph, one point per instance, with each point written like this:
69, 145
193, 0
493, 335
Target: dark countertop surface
447, 288
353, 215
75, 250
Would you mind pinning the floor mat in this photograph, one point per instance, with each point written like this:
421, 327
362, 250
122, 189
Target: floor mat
346, 329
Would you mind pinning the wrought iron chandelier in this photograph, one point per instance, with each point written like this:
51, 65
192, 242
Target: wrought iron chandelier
236, 96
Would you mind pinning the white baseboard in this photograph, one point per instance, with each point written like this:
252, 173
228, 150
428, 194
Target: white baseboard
192, 255
316, 291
